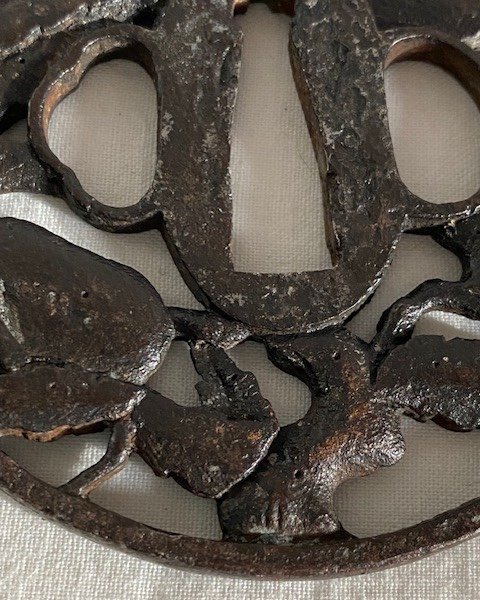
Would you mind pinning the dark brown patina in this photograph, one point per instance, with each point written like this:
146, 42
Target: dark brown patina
80, 336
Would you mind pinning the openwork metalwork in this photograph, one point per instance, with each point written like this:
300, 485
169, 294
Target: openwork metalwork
80, 336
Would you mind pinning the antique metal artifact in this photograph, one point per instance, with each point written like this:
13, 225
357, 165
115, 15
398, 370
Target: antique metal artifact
80, 336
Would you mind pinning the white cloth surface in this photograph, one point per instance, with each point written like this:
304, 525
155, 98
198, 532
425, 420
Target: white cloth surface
106, 132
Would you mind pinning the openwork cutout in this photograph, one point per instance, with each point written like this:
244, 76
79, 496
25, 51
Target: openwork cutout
81, 336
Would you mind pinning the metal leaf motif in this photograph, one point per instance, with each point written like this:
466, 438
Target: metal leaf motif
43, 402
80, 336
54, 302
80, 370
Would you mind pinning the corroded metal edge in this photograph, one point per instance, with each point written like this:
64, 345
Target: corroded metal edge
332, 558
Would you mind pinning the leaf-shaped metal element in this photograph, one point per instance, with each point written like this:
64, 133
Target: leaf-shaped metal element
62, 304
210, 448
346, 433
399, 321
435, 379
75, 329
226, 388
205, 450
428, 377
43, 402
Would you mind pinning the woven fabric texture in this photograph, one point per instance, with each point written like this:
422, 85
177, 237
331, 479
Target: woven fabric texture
106, 132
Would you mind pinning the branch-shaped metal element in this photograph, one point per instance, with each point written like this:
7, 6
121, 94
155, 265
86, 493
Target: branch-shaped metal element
460, 297
427, 376
120, 446
435, 379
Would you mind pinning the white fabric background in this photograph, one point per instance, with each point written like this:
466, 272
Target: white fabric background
106, 131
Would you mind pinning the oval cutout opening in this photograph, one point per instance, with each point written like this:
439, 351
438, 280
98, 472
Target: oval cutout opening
278, 215
435, 128
106, 132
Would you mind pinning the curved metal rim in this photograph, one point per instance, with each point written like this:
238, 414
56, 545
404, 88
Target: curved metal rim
332, 558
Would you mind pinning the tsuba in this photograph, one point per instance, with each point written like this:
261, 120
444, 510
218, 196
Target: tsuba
81, 336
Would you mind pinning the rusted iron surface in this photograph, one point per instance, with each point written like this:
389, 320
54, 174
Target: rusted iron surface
66, 400
343, 435
60, 304
21, 171
435, 379
210, 448
67, 318
460, 18
80, 336
460, 297
120, 446
338, 58
429, 376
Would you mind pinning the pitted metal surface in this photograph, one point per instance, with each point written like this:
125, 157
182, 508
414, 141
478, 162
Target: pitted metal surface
80, 336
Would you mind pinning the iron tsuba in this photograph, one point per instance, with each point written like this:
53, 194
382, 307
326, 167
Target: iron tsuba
80, 336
